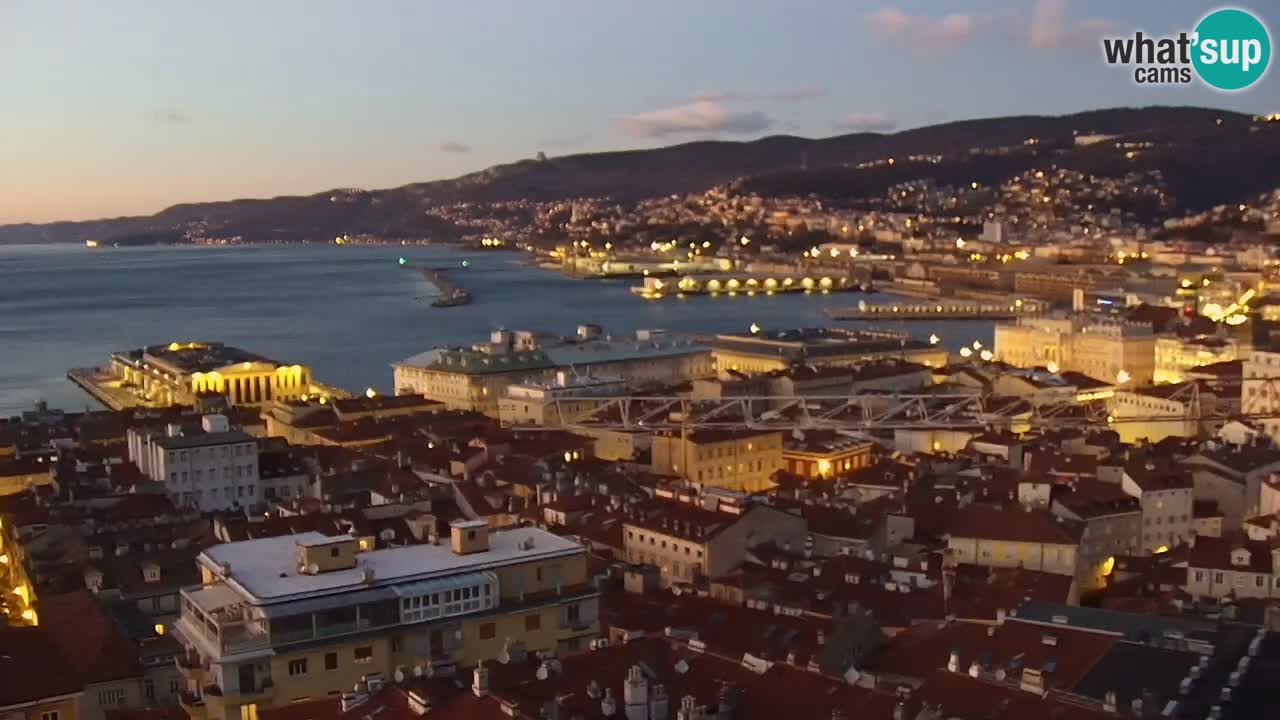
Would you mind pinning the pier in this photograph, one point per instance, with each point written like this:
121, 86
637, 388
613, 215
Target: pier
940, 310
655, 288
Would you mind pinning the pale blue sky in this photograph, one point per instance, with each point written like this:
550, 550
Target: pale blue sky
112, 107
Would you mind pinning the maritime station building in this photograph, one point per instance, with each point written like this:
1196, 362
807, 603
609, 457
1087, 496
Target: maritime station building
292, 618
183, 373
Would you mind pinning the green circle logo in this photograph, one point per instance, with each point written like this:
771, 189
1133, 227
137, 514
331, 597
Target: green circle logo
1232, 49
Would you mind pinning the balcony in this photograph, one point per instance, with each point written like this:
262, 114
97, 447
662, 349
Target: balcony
214, 618
191, 665
193, 705
256, 693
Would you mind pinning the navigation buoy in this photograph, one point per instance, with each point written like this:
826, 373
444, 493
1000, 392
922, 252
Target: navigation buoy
466, 263
403, 261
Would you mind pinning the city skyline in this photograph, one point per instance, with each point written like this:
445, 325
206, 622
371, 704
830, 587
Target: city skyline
112, 112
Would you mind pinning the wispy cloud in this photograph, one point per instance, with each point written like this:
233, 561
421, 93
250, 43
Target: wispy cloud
867, 122
699, 116
791, 94
450, 146
925, 32
715, 96
173, 117
1051, 27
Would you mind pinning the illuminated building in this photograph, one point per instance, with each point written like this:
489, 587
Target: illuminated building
1111, 351
818, 455
181, 373
285, 619
1175, 356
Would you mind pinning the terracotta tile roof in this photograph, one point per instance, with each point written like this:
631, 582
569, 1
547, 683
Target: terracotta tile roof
989, 522
33, 667
1216, 554
960, 696
90, 640
1065, 654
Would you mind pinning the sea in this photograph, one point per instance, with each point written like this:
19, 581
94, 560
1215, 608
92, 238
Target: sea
348, 312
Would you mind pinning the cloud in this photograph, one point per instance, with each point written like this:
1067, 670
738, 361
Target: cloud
1052, 27
173, 117
925, 32
699, 116
793, 94
715, 96
867, 122
450, 146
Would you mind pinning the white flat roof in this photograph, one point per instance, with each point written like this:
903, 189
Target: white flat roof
266, 571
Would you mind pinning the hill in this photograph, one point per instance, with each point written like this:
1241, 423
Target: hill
1208, 156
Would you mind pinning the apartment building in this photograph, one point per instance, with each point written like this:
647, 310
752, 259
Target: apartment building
1112, 522
285, 619
563, 399
215, 468
744, 460
1166, 495
981, 534
1235, 567
1260, 390
687, 542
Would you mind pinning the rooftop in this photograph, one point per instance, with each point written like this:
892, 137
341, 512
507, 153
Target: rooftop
185, 442
193, 357
266, 569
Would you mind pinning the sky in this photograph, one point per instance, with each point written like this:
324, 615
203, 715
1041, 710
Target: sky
128, 106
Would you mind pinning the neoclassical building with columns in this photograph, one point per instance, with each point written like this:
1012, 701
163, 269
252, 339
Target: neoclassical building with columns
181, 372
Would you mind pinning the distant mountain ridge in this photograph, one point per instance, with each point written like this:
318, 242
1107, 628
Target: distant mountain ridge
1201, 146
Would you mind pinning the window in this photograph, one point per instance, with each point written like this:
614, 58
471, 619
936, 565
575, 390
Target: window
106, 698
396, 644
50, 715
249, 711
364, 655
488, 631
1199, 576
331, 661
532, 622
297, 667
1258, 581
573, 613
174, 685
333, 552
149, 689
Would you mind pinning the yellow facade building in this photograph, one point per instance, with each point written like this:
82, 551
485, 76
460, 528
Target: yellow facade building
743, 460
286, 619
1123, 353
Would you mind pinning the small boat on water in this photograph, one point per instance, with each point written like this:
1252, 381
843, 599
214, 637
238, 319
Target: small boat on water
453, 299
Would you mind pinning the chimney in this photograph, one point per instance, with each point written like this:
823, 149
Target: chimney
480, 680
635, 694
659, 703
689, 709
608, 706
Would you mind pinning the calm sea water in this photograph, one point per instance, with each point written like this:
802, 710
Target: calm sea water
348, 312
